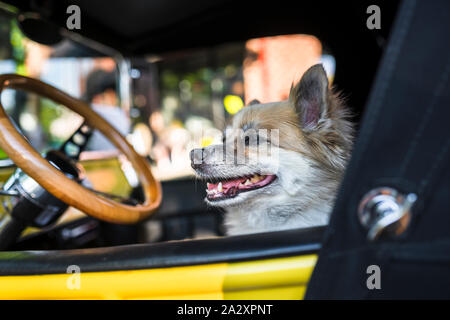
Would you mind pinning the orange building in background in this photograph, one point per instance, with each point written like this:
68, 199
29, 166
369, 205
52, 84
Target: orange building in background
274, 63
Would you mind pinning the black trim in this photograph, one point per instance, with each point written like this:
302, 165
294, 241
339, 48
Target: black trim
164, 255
404, 144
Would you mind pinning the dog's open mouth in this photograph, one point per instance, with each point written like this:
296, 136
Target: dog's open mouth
232, 187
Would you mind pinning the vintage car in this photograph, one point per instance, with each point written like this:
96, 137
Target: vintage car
110, 209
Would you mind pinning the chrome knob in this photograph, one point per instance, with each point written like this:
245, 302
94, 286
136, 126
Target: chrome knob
385, 212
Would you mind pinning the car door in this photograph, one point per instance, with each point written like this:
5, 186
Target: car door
401, 156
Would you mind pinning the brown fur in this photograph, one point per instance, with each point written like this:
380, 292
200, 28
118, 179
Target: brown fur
328, 145
313, 146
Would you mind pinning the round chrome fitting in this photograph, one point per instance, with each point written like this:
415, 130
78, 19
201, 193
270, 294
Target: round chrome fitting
385, 212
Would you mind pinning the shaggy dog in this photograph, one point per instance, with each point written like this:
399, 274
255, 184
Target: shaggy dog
280, 163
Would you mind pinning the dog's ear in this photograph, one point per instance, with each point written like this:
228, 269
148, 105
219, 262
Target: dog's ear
310, 96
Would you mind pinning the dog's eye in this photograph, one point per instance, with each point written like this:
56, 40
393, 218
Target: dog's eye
247, 140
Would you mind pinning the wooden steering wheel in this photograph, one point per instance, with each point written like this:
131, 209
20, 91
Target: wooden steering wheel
58, 184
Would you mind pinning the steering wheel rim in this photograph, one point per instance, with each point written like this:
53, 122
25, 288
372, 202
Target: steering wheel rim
54, 181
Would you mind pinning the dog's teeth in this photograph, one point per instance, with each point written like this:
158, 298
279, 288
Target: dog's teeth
219, 187
208, 184
247, 182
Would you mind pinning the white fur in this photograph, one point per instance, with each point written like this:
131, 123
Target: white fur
297, 198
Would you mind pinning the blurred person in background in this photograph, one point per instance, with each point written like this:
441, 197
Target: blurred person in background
160, 150
170, 146
101, 95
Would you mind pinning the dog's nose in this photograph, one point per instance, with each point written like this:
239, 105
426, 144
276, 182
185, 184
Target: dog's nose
196, 157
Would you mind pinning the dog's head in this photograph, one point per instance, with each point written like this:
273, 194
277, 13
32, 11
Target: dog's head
288, 152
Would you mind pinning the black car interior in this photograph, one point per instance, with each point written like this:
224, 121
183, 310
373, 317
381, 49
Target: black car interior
135, 28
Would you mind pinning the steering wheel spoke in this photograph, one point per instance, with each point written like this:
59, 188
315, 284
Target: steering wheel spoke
77, 142
9, 193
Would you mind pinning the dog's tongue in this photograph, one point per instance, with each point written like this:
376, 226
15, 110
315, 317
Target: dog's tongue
230, 188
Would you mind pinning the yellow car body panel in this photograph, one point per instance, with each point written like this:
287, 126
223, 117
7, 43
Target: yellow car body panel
280, 278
